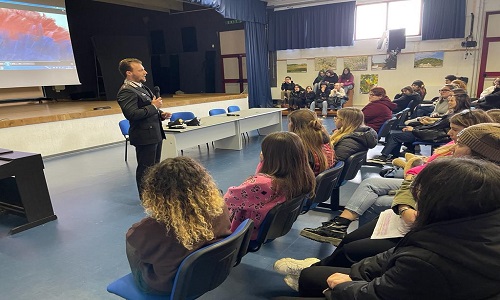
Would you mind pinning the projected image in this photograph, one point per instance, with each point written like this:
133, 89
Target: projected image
33, 36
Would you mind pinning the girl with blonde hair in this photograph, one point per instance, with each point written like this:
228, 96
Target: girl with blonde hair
185, 212
313, 134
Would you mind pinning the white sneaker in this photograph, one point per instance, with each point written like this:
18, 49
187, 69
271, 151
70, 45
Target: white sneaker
290, 266
292, 281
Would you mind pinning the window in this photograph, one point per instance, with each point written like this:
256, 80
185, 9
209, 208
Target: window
373, 19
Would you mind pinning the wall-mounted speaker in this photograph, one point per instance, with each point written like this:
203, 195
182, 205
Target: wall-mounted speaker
397, 40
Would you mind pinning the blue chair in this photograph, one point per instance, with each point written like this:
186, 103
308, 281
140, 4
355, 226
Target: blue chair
200, 272
278, 222
184, 115
124, 127
216, 111
385, 129
233, 108
326, 181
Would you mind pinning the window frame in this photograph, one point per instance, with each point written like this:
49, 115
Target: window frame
387, 19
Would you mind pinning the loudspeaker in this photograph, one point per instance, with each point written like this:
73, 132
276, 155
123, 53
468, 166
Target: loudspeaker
397, 40
189, 42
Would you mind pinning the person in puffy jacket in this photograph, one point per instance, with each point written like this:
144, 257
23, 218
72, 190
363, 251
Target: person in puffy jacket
379, 109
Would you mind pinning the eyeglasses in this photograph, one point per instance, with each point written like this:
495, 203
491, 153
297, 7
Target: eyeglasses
370, 94
444, 91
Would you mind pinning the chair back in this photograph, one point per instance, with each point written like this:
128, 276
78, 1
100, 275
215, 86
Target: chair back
325, 182
216, 111
200, 272
384, 130
233, 108
184, 115
278, 222
352, 165
402, 116
124, 127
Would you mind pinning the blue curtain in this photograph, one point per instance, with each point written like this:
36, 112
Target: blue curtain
253, 12
312, 27
259, 88
443, 19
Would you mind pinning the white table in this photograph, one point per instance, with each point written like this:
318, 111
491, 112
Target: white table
224, 131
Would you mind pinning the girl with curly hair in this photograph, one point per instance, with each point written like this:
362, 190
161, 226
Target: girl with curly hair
185, 212
313, 134
282, 174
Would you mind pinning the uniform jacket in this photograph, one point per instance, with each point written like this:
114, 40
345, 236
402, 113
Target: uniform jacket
377, 112
155, 254
144, 118
361, 139
452, 260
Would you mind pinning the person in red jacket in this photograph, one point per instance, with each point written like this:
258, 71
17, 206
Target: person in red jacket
379, 109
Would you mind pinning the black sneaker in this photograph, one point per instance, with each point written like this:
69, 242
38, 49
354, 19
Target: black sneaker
332, 233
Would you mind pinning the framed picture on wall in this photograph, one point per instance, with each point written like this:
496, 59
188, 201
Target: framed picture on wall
325, 63
366, 82
356, 63
429, 60
384, 62
296, 66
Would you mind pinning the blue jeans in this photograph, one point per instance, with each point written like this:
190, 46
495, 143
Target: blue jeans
394, 141
324, 107
371, 197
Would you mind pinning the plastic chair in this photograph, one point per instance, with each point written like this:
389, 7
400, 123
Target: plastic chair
401, 116
184, 115
278, 222
351, 168
200, 272
385, 129
216, 111
326, 181
124, 127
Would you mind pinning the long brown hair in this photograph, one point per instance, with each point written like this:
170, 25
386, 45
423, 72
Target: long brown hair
285, 159
180, 193
308, 127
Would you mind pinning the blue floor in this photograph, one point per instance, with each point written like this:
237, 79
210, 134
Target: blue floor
95, 198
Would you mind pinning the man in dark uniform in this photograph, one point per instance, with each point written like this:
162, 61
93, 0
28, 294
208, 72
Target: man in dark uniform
142, 108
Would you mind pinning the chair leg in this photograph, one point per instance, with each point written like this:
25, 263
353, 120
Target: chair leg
248, 137
335, 200
182, 152
208, 147
126, 147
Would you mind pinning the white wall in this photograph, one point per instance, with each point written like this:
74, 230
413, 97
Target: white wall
455, 60
78, 134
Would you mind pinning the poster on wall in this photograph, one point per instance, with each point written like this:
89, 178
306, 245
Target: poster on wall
384, 62
296, 66
429, 60
325, 63
356, 63
367, 81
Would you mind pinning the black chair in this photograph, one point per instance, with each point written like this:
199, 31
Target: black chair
402, 117
351, 168
385, 129
200, 272
326, 181
278, 222
125, 127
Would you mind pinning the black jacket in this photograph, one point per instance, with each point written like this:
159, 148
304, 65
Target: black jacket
405, 101
309, 97
322, 96
287, 86
361, 139
455, 260
491, 101
144, 118
332, 79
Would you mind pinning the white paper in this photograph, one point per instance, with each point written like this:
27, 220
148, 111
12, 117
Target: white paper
389, 225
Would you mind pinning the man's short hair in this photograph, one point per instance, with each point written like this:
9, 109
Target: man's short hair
451, 77
288, 77
125, 65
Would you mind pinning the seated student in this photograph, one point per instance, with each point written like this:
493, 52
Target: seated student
331, 78
439, 106
296, 99
490, 101
318, 80
185, 212
309, 96
337, 97
458, 101
419, 87
282, 174
443, 256
409, 98
286, 88
459, 84
379, 109
449, 78
347, 80
372, 196
321, 99
351, 135
490, 89
315, 138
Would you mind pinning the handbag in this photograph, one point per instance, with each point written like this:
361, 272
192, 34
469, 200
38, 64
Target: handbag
431, 135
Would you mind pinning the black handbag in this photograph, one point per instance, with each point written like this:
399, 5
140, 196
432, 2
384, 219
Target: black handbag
431, 135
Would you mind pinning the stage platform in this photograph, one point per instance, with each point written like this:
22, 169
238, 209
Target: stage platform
58, 127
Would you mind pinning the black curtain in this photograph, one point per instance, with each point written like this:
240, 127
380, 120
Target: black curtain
253, 13
443, 19
312, 27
